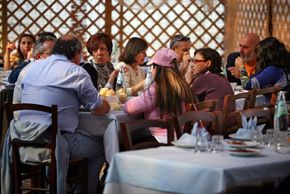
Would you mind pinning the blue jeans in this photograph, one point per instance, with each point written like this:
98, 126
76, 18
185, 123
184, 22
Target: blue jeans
85, 146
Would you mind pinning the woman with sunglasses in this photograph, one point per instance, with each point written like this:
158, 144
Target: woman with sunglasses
167, 94
208, 82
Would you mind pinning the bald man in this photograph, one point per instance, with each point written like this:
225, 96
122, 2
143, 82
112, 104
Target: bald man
246, 57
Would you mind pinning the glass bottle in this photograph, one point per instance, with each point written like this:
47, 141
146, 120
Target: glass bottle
281, 113
148, 79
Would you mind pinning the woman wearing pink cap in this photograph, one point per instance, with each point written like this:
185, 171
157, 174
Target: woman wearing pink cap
166, 96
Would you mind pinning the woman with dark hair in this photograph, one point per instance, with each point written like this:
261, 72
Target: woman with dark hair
208, 82
166, 96
13, 56
272, 65
100, 67
132, 56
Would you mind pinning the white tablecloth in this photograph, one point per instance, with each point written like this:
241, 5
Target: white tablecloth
106, 126
176, 170
260, 99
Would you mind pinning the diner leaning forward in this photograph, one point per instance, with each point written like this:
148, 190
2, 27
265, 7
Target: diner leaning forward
59, 80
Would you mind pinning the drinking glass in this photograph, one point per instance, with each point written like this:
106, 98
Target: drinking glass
217, 143
268, 139
282, 144
201, 144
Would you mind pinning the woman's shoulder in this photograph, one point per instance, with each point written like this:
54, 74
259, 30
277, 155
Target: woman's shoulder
273, 70
87, 64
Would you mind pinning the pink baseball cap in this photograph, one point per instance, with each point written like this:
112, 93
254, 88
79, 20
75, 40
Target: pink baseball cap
163, 57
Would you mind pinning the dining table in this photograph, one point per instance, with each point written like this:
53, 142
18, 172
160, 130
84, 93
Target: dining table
106, 126
171, 169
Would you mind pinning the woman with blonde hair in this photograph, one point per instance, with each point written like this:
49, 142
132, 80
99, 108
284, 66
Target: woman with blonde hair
167, 95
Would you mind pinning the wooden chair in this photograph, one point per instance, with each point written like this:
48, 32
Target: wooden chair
207, 105
41, 180
6, 95
263, 116
229, 113
273, 91
183, 123
129, 127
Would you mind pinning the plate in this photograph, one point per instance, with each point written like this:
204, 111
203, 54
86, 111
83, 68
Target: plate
244, 152
178, 144
240, 138
241, 144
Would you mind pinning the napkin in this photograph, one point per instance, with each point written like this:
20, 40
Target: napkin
250, 128
199, 131
186, 139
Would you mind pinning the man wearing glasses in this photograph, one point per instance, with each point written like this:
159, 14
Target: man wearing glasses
181, 45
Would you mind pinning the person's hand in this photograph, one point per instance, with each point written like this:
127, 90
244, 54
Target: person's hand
239, 62
234, 72
10, 47
30, 54
185, 63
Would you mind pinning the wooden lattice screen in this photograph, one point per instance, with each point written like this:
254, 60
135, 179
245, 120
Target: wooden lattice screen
154, 20
281, 20
264, 17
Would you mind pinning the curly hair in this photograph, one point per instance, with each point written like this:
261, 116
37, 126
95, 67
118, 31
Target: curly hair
271, 51
213, 56
95, 40
68, 46
132, 49
171, 89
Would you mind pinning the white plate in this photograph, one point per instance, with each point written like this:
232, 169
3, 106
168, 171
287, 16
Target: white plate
241, 144
182, 145
239, 138
244, 152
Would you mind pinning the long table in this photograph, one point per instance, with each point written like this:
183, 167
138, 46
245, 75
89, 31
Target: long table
106, 126
175, 170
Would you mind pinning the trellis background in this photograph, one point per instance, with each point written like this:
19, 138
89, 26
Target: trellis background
264, 17
209, 23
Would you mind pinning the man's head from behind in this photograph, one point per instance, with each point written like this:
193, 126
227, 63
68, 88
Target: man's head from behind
69, 46
43, 47
247, 45
180, 44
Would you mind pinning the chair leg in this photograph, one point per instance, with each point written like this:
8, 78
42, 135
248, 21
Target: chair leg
84, 176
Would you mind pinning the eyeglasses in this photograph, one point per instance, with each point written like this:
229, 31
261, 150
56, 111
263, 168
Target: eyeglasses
198, 60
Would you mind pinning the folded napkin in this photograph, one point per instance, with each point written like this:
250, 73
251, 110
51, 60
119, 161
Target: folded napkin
199, 131
186, 139
250, 128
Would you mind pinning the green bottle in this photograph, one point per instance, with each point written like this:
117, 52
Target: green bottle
281, 113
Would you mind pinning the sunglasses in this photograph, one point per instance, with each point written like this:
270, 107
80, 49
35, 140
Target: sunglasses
198, 60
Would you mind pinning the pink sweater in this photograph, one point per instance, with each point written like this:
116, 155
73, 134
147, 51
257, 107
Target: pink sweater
145, 103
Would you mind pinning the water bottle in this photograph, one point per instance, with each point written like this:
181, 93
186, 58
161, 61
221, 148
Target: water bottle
281, 113
124, 83
148, 79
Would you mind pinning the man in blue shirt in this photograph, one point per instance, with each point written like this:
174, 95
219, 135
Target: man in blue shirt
59, 80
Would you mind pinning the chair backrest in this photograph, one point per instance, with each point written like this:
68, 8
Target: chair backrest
16, 144
229, 122
269, 91
207, 105
263, 116
6, 95
183, 123
128, 127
